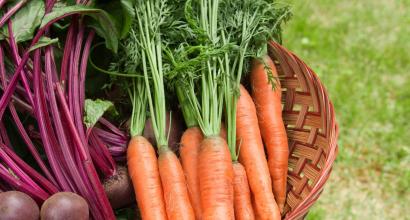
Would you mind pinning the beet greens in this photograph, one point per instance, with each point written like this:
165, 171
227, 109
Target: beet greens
35, 81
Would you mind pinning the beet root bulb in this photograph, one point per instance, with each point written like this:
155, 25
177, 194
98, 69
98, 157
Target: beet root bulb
17, 205
65, 205
119, 189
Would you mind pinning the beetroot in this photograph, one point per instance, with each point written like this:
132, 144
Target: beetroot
17, 205
65, 205
119, 189
177, 128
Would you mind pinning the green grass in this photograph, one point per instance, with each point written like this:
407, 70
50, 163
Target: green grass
361, 51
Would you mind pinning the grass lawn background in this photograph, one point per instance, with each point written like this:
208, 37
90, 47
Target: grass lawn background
361, 51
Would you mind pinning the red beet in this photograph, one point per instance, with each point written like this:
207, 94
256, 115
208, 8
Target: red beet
16, 205
65, 205
119, 189
176, 131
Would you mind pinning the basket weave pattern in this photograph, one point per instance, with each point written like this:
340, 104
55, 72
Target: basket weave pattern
312, 131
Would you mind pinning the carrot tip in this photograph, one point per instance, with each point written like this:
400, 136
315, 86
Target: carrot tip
281, 208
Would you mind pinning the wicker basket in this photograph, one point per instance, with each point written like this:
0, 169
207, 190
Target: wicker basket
312, 131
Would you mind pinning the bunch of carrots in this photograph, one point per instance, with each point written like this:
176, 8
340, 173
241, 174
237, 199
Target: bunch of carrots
201, 52
208, 56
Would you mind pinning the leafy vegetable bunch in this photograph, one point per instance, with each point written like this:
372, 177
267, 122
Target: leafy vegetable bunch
56, 105
46, 82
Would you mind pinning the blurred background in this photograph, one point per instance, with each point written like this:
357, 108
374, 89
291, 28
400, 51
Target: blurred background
361, 51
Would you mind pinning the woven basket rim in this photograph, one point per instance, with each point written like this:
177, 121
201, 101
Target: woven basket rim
332, 130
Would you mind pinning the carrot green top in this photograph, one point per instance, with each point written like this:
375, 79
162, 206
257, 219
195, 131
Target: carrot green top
143, 53
248, 25
139, 104
203, 18
150, 16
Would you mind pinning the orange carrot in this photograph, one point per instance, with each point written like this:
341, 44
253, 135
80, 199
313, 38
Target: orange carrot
252, 156
215, 174
189, 150
144, 173
242, 195
173, 181
269, 110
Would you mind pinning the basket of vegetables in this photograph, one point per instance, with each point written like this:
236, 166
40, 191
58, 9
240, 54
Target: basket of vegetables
152, 109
